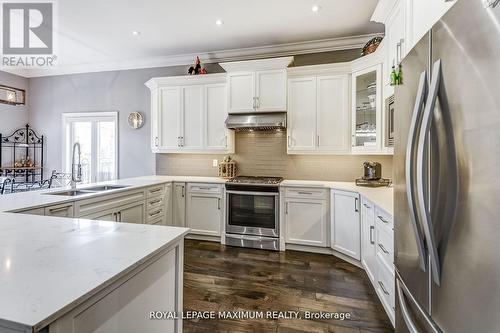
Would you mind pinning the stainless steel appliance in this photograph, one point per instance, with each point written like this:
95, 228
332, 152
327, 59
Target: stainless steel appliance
252, 213
372, 171
389, 116
447, 187
254, 121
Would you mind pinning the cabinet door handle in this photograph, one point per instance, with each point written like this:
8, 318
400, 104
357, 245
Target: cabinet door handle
226, 140
258, 102
318, 139
119, 216
383, 287
183, 191
286, 208
372, 228
218, 203
356, 205
289, 144
178, 141
116, 217
383, 248
401, 49
156, 141
254, 106
398, 53
382, 219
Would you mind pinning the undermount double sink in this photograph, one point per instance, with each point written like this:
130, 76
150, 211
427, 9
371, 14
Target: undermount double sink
88, 190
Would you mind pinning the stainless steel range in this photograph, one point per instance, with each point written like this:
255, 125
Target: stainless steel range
252, 216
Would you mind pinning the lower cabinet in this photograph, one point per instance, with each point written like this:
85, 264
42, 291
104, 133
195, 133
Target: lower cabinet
179, 205
204, 209
345, 226
131, 213
368, 244
306, 221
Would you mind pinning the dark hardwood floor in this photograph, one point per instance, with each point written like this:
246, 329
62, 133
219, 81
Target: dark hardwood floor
219, 278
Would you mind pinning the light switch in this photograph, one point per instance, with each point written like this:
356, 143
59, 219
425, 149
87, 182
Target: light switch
215, 163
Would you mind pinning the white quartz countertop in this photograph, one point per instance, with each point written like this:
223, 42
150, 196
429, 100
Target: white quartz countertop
380, 196
48, 265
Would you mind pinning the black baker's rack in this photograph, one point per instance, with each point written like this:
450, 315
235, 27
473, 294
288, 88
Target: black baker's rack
22, 143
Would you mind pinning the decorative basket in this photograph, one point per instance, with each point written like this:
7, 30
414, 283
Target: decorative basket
227, 169
371, 46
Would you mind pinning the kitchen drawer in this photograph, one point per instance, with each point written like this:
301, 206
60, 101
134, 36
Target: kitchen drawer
161, 220
386, 285
384, 220
385, 247
154, 214
367, 207
155, 202
307, 193
155, 190
204, 188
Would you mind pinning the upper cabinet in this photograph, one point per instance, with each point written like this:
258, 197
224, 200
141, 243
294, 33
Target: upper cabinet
188, 114
367, 110
318, 109
257, 85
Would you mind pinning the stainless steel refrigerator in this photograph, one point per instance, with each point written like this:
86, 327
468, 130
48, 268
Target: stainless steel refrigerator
447, 176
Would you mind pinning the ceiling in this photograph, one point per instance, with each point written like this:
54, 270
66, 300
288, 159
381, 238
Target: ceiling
95, 35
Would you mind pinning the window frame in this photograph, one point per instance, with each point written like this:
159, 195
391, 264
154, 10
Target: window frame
94, 116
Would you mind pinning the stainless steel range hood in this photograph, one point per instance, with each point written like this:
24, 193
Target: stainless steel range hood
257, 121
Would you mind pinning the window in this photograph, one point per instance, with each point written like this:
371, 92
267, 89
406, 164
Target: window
98, 137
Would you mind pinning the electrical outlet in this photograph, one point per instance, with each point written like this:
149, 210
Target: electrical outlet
215, 163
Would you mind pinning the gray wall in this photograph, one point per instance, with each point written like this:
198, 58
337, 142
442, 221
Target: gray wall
121, 91
13, 117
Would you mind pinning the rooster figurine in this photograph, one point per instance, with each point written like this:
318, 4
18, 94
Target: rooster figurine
197, 69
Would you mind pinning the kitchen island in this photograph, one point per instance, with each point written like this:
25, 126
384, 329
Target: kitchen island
77, 275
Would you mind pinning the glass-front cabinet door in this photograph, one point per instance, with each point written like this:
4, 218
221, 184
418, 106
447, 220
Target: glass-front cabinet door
367, 110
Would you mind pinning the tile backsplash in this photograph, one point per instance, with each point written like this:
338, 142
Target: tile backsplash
264, 154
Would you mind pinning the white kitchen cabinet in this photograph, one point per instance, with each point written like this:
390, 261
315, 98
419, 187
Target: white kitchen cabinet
257, 85
345, 223
188, 114
169, 118
204, 209
367, 110
217, 136
179, 204
306, 221
368, 245
302, 114
318, 110
192, 128
425, 13
241, 92
62, 210
332, 113
131, 213
396, 32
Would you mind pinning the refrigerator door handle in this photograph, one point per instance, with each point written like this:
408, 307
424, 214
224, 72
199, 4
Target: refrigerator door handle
403, 293
422, 176
410, 164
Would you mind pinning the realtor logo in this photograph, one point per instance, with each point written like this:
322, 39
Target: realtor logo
27, 28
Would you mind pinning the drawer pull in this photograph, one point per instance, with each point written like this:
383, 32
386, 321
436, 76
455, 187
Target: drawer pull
305, 193
155, 202
60, 209
382, 219
158, 212
383, 249
366, 206
218, 203
155, 190
383, 287
372, 228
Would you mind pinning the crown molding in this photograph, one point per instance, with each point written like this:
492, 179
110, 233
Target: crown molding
252, 53
186, 80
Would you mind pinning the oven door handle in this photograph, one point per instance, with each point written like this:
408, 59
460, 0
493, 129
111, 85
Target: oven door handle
267, 194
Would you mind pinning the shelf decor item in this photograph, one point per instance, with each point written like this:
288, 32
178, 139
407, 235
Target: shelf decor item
12, 96
371, 46
197, 69
227, 168
21, 155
